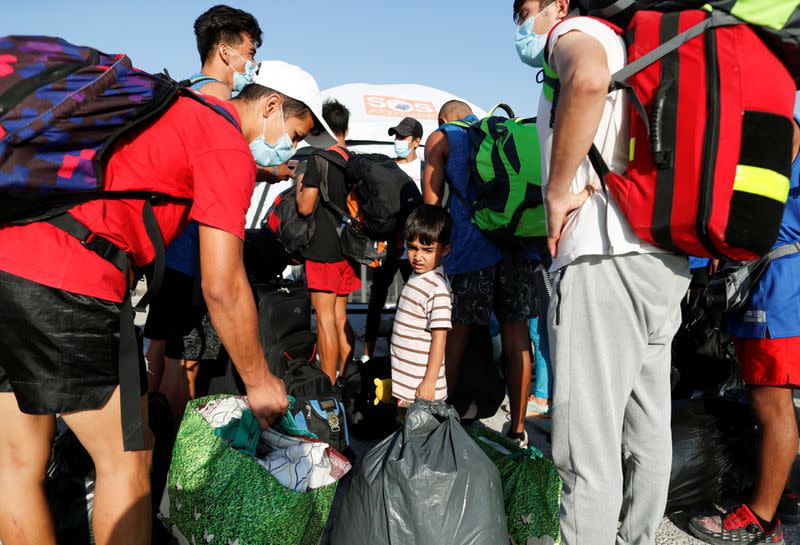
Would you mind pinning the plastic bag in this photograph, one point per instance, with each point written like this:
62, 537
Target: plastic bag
481, 387
70, 477
218, 493
427, 484
713, 452
531, 487
69, 486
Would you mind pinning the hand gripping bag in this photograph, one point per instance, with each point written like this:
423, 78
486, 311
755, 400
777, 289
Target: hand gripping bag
228, 482
428, 484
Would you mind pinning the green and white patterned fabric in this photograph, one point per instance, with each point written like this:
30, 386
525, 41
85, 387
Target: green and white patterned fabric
218, 494
531, 489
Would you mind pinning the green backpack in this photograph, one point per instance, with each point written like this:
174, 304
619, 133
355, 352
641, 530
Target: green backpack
507, 176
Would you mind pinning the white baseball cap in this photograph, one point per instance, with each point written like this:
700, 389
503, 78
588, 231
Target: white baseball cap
296, 83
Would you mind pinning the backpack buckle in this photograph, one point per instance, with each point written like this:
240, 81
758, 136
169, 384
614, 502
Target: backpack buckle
333, 422
107, 250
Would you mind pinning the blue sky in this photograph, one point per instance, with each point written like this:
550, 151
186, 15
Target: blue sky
465, 47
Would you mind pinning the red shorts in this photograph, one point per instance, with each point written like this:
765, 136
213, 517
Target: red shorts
339, 277
769, 362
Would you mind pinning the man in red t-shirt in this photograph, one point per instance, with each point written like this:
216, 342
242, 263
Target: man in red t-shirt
61, 302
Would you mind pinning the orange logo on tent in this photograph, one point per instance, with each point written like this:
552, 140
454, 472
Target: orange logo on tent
383, 106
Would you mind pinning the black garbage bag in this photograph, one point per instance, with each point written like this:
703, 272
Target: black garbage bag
481, 387
427, 484
737, 422
70, 477
69, 486
714, 445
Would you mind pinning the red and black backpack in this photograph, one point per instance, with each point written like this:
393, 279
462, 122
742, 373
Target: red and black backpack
710, 134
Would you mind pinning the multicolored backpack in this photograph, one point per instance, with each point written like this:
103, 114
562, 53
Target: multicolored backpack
62, 109
507, 176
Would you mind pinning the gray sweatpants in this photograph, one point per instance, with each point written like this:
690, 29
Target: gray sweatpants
611, 323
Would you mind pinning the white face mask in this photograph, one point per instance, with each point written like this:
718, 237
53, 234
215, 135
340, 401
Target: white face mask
530, 45
270, 155
242, 79
402, 148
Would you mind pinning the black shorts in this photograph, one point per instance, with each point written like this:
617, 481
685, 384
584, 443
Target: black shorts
60, 350
198, 344
178, 316
510, 294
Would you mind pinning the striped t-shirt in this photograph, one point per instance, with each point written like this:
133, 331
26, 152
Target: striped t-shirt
425, 304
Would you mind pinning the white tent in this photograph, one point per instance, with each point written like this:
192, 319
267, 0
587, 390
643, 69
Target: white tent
373, 110
376, 108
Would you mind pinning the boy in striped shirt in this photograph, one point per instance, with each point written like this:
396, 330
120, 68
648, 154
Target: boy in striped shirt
423, 311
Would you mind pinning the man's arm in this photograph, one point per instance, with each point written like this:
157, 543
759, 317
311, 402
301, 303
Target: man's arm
233, 313
307, 195
306, 198
427, 388
583, 70
273, 175
436, 152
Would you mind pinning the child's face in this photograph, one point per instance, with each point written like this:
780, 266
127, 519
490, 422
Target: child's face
425, 257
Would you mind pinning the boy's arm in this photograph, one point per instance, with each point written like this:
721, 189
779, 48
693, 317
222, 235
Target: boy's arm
427, 388
584, 74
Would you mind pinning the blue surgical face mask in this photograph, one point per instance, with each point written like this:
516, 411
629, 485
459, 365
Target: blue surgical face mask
270, 155
402, 148
242, 79
530, 46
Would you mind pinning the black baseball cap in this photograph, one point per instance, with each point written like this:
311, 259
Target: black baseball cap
407, 127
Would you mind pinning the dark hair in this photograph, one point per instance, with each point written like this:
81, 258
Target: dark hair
429, 223
254, 92
336, 115
224, 24
519, 3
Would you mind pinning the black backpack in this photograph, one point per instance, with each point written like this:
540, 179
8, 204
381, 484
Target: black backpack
284, 308
293, 231
367, 420
318, 406
381, 195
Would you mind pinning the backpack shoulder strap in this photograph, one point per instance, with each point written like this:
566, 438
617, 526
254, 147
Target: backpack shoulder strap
129, 352
334, 154
195, 84
322, 165
460, 123
716, 19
